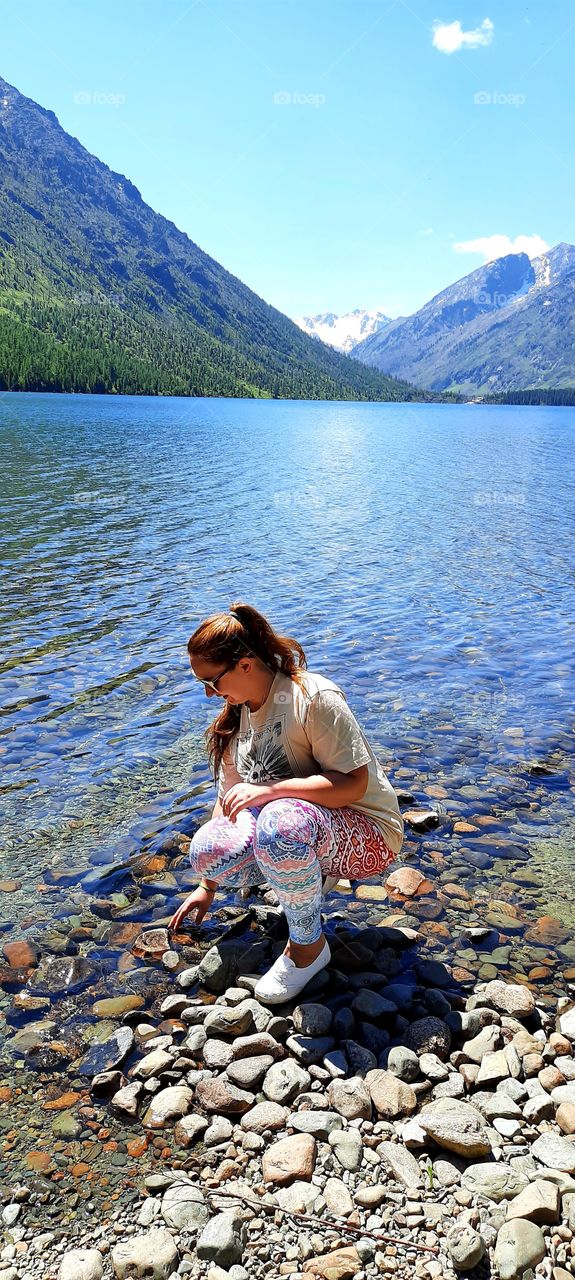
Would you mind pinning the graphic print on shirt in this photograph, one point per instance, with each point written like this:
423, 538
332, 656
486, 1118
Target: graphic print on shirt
261, 756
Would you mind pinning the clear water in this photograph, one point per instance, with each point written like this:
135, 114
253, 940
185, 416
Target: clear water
422, 554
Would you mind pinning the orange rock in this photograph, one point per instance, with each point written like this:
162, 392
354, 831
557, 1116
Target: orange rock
21, 954
500, 904
10, 886
463, 826
136, 1146
5, 1094
456, 891
122, 934
112, 1145
435, 929
565, 1117
539, 974
80, 1170
406, 882
462, 975
438, 792
38, 1160
547, 930
63, 1102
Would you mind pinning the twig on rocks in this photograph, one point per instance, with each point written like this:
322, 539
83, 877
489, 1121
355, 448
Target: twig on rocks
379, 1236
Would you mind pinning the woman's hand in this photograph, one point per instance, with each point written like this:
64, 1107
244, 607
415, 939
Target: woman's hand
244, 795
199, 901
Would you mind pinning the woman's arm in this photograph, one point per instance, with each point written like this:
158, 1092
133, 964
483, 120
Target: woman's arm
331, 789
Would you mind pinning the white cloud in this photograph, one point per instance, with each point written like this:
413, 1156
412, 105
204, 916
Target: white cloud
449, 37
491, 247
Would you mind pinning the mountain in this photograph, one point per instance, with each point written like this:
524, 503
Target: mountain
100, 293
343, 332
506, 326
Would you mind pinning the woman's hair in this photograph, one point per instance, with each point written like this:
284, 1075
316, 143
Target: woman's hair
222, 638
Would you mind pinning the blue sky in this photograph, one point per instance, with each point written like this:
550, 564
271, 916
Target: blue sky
330, 153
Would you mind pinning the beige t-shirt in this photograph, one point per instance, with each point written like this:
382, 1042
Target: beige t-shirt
292, 735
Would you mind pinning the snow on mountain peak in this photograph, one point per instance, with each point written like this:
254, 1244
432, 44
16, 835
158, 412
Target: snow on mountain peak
343, 332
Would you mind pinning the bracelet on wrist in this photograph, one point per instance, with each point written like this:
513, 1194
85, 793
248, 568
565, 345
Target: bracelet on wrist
207, 887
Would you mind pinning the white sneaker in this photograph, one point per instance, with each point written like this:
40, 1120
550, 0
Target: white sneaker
284, 980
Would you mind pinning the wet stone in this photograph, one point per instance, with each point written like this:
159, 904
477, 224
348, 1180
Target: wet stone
107, 1055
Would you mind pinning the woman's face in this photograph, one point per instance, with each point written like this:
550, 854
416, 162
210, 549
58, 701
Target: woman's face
235, 684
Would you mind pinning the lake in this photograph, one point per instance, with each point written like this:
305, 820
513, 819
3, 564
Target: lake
422, 555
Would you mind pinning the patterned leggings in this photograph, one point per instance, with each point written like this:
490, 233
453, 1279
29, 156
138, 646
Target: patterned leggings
290, 844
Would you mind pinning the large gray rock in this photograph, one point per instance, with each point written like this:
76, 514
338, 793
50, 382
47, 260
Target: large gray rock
337, 1197
248, 1073
488, 1040
310, 1049
265, 1115
217, 1054
456, 1126
81, 1264
221, 1240
555, 1152
465, 1246
520, 1245
126, 1100
285, 1080
237, 1021
252, 1046
402, 1163
190, 1129
406, 1064
347, 1147
567, 1024
494, 1181
184, 1207
312, 1019
351, 1098
152, 1064
391, 1097
152, 1256
509, 997
168, 1104
107, 1054
318, 1123
540, 1202
218, 968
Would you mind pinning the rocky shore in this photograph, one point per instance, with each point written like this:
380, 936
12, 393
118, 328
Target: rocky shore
401, 1120
411, 1115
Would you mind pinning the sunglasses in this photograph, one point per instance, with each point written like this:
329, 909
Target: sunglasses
213, 684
